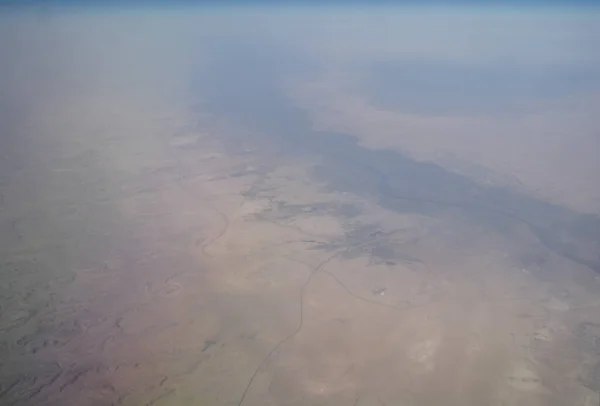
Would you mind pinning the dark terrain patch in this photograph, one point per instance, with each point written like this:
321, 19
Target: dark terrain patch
208, 344
284, 211
254, 97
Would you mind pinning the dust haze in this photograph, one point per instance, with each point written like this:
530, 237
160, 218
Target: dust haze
299, 206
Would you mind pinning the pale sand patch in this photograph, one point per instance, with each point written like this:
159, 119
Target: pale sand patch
319, 225
253, 207
422, 353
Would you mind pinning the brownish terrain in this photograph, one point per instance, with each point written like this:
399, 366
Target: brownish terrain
154, 253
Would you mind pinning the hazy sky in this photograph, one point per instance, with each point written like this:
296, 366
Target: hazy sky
548, 38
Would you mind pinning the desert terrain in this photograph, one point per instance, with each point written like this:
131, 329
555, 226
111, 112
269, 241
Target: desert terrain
216, 236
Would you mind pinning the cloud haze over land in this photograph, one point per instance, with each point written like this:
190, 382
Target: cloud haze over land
261, 205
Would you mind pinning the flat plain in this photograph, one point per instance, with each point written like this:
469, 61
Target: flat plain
154, 253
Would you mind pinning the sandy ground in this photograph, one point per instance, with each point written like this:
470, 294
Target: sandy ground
148, 258
144, 263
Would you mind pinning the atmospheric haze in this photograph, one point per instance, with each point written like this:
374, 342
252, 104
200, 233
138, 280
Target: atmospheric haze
335, 205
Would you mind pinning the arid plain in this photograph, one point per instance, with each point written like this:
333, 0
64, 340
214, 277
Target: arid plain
161, 251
